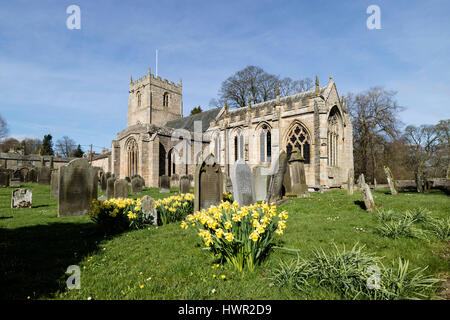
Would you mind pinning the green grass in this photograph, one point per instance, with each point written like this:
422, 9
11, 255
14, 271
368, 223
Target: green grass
37, 247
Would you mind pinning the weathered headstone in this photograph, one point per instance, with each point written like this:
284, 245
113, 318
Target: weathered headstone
185, 184
261, 180
44, 175
243, 186
367, 197
277, 176
78, 186
24, 174
32, 175
361, 180
149, 211
391, 181
164, 184
110, 188
21, 198
121, 189
4, 178
103, 181
208, 184
136, 185
54, 184
299, 188
350, 181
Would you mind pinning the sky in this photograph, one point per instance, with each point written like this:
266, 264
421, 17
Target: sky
75, 82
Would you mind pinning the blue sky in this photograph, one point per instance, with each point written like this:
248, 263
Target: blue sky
75, 82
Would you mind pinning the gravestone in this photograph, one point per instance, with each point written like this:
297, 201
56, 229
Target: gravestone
15, 183
54, 184
32, 175
350, 181
149, 211
77, 187
4, 178
21, 198
121, 189
261, 180
185, 184
24, 174
391, 181
44, 175
208, 185
243, 187
175, 178
110, 188
277, 176
361, 180
375, 185
164, 184
298, 188
103, 181
367, 197
136, 185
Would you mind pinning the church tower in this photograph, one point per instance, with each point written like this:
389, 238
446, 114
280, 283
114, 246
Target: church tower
153, 100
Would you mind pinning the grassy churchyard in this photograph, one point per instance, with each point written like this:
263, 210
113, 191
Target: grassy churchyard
168, 262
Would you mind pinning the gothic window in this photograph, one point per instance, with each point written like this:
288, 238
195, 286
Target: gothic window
165, 99
265, 144
139, 98
299, 138
217, 148
132, 152
333, 138
238, 146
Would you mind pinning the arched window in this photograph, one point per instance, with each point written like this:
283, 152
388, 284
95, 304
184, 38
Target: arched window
166, 99
299, 138
333, 139
139, 98
238, 145
217, 148
265, 144
132, 153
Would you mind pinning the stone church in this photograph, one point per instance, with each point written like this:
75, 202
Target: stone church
159, 141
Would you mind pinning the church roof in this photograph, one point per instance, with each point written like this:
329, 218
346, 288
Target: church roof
188, 122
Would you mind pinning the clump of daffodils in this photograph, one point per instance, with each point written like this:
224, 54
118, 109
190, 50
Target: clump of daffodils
175, 208
240, 235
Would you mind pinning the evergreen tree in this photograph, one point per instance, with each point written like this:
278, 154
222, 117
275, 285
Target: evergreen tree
196, 110
78, 152
47, 146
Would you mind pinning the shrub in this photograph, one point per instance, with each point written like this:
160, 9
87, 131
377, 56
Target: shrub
175, 208
350, 273
240, 235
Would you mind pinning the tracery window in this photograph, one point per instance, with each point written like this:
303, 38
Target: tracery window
298, 138
133, 154
333, 138
265, 144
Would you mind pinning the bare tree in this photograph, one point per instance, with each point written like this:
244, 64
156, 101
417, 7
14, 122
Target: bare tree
259, 85
65, 146
375, 120
9, 143
31, 146
3, 128
422, 141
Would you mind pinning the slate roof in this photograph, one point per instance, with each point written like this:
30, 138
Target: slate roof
188, 122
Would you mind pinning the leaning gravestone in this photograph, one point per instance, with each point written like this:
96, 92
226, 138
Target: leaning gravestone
77, 187
391, 181
185, 184
54, 184
149, 211
367, 197
164, 184
136, 185
110, 188
208, 184
21, 198
44, 175
277, 176
243, 187
350, 181
298, 188
4, 178
121, 189
261, 180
